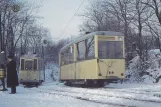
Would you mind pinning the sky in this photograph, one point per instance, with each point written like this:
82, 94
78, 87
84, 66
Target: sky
57, 14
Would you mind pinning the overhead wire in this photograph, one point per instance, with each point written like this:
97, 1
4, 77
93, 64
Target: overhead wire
70, 20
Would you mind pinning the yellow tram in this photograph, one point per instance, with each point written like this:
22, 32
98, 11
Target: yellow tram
31, 70
94, 58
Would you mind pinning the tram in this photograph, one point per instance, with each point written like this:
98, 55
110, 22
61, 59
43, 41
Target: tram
31, 70
93, 59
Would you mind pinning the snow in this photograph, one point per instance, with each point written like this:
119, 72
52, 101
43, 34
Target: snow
154, 51
51, 72
151, 70
57, 95
154, 71
31, 98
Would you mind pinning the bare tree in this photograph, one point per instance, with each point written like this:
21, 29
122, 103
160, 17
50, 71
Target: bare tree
142, 15
121, 10
98, 19
53, 49
153, 24
129, 17
156, 4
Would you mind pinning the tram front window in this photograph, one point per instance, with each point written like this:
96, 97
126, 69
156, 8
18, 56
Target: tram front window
28, 65
110, 49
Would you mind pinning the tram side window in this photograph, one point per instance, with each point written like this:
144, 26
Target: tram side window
67, 56
90, 48
22, 64
35, 64
81, 50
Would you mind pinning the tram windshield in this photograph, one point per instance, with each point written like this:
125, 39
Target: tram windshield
110, 49
28, 65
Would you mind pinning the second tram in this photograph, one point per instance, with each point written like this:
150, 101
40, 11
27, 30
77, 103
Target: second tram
31, 70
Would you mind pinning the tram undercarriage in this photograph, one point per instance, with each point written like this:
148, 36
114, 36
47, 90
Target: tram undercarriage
90, 82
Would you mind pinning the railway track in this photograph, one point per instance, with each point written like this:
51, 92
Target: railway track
106, 95
132, 91
82, 96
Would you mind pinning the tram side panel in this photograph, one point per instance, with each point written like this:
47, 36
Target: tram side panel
86, 69
80, 70
41, 70
67, 72
67, 67
91, 69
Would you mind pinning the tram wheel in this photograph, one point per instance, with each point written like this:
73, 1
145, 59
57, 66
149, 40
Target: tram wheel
89, 83
100, 83
68, 83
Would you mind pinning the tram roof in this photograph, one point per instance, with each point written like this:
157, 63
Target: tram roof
30, 56
104, 33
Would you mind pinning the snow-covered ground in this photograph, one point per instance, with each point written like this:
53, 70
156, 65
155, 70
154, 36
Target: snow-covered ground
57, 95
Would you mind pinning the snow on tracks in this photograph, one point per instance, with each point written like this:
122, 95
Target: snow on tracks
115, 97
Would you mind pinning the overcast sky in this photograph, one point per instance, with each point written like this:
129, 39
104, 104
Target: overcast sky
57, 14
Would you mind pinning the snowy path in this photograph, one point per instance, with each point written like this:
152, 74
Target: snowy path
121, 97
58, 95
29, 98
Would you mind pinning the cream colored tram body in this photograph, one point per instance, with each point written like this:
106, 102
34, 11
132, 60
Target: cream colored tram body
31, 70
94, 58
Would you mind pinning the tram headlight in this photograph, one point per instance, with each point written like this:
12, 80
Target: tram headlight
122, 74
